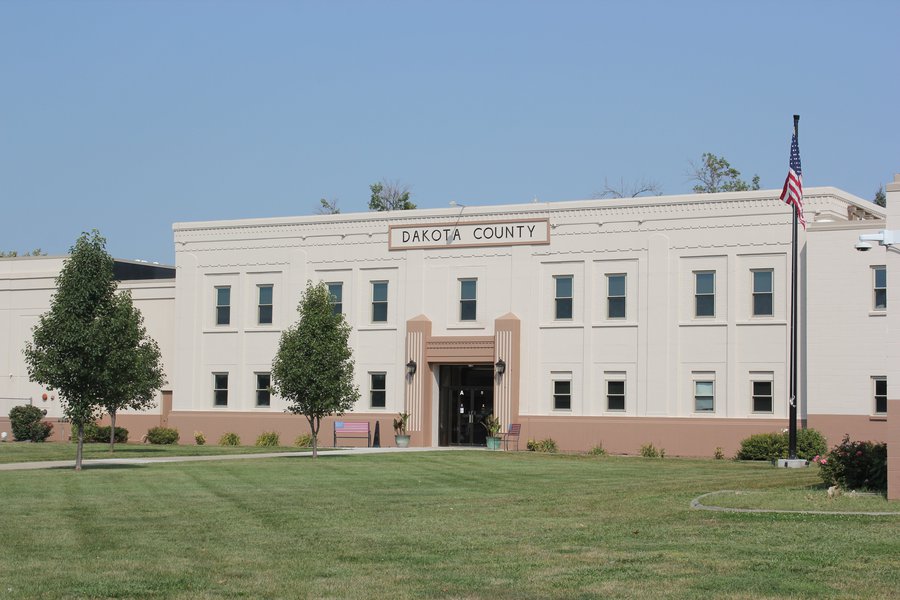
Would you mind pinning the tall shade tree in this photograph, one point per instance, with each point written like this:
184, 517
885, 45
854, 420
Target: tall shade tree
390, 195
313, 370
715, 174
133, 367
67, 352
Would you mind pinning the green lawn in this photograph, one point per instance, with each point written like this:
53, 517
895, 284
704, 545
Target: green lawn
429, 525
27, 452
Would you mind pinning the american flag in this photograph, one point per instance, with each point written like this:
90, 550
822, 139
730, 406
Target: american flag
793, 185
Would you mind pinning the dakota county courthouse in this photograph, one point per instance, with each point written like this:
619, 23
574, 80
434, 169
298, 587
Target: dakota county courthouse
620, 322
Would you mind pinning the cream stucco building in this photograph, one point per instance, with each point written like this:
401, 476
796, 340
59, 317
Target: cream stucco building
619, 322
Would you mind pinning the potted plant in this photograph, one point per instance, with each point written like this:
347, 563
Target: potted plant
401, 437
493, 426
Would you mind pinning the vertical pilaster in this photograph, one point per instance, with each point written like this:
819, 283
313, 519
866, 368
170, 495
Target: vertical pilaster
507, 341
418, 386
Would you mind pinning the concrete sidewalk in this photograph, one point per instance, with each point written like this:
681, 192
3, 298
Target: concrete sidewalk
87, 463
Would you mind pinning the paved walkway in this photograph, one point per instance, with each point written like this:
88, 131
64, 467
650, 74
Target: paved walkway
89, 462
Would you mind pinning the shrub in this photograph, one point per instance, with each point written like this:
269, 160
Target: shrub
597, 450
268, 439
304, 440
855, 465
771, 446
199, 438
230, 439
162, 435
651, 451
719, 454
26, 424
95, 434
547, 445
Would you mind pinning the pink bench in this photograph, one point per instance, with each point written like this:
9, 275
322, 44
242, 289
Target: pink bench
352, 429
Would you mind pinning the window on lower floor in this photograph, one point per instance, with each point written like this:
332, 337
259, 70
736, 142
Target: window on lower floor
220, 389
704, 395
562, 394
377, 389
880, 388
263, 392
880, 280
762, 396
615, 394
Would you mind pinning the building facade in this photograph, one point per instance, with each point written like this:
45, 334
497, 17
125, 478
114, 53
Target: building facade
621, 322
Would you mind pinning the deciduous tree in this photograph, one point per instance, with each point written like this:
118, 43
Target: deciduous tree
313, 369
390, 195
715, 174
328, 207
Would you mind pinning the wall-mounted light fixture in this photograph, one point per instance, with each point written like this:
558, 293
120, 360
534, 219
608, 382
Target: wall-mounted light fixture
500, 367
411, 368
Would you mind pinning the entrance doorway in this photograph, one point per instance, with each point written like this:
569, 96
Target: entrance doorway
466, 398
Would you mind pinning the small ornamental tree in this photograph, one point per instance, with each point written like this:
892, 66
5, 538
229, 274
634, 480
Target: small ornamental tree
133, 368
67, 349
313, 369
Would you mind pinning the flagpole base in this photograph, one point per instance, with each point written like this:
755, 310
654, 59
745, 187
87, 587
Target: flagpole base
790, 463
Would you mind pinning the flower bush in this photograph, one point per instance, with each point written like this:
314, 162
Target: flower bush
548, 445
855, 465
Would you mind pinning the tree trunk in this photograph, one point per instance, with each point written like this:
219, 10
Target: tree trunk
112, 430
315, 435
79, 447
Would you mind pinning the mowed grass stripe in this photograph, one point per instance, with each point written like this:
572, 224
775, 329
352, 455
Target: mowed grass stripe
438, 525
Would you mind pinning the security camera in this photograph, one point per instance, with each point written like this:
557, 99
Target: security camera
863, 246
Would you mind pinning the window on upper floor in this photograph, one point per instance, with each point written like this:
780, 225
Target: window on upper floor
704, 293
263, 391
762, 293
223, 305
563, 298
879, 276
220, 389
468, 299
615, 296
264, 307
379, 301
337, 296
879, 386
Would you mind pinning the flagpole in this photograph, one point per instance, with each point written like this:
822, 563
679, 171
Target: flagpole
792, 424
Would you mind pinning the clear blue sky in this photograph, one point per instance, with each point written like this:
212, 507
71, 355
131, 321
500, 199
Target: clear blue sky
129, 116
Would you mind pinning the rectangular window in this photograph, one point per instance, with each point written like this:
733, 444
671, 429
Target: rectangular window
762, 293
337, 297
615, 296
704, 396
762, 396
220, 389
563, 298
377, 389
880, 385
265, 305
223, 305
468, 292
705, 293
562, 395
379, 301
263, 393
615, 394
880, 275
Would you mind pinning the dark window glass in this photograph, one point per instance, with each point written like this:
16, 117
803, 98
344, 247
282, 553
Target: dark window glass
467, 299
705, 294
880, 288
762, 293
615, 395
220, 389
881, 396
379, 301
564, 288
562, 395
377, 389
615, 296
762, 396
265, 305
337, 297
263, 395
223, 306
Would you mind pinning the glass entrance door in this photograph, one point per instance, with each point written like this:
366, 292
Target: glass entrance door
466, 398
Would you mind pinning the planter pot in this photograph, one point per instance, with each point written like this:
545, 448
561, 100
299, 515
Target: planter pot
402, 441
493, 443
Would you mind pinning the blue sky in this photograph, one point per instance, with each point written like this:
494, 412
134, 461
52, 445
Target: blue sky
129, 116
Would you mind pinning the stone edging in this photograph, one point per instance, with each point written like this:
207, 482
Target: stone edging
697, 505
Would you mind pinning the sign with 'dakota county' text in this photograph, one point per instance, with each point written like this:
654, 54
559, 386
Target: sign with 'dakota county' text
469, 234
